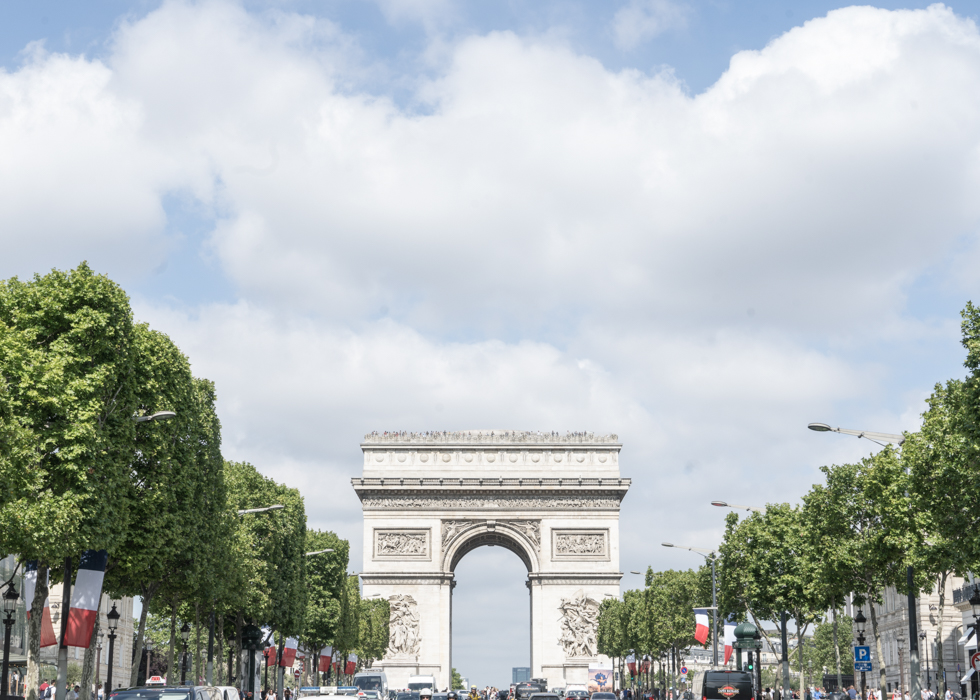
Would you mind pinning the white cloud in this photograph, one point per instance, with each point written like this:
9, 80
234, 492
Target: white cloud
641, 20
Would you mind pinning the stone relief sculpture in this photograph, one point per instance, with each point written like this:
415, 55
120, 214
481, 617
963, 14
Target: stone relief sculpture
579, 625
531, 529
580, 543
402, 544
451, 528
403, 626
489, 502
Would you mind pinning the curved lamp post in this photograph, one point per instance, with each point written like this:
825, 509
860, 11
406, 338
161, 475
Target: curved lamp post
185, 634
113, 622
723, 504
9, 608
711, 555
884, 439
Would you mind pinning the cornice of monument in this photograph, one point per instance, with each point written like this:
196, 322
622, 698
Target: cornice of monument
481, 486
482, 438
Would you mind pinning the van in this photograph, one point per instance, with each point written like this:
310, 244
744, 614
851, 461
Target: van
726, 685
372, 680
419, 682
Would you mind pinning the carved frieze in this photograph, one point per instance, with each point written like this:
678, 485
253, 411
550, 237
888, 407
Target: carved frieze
579, 625
580, 544
403, 626
402, 544
531, 529
490, 501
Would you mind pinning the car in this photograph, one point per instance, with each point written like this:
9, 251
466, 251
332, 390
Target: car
603, 695
407, 695
167, 692
576, 694
545, 696
726, 685
228, 692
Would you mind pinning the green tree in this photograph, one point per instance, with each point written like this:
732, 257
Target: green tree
375, 614
822, 653
325, 578
457, 681
67, 404
349, 625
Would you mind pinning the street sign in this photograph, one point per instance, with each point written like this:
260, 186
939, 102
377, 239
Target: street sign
296, 673
975, 661
862, 653
747, 644
683, 670
860, 666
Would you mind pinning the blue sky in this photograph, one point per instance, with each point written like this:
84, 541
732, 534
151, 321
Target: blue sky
697, 225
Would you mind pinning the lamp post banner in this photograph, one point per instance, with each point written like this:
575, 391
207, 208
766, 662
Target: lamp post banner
85, 597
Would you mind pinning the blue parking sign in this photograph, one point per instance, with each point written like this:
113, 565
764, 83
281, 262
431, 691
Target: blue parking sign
862, 655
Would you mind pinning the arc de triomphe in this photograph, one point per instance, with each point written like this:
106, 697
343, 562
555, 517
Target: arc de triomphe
553, 500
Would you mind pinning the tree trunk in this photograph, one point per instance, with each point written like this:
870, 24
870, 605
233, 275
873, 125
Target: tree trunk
240, 676
173, 642
147, 594
941, 666
33, 680
800, 636
881, 657
219, 634
197, 643
88, 662
840, 681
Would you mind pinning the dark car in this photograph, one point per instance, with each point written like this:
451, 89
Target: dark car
603, 695
525, 690
727, 685
545, 696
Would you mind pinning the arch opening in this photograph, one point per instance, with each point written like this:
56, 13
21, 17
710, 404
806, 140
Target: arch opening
490, 613
490, 539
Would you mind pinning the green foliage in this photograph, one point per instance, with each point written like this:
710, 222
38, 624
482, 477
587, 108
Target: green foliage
325, 578
457, 681
66, 405
375, 614
349, 624
819, 650
269, 550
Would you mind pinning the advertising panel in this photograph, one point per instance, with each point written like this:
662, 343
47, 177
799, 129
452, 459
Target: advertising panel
600, 678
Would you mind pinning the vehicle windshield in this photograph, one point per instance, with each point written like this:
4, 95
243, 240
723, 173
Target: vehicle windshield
368, 682
407, 696
419, 686
153, 694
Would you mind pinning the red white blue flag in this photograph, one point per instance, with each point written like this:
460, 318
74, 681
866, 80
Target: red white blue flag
702, 630
270, 655
289, 652
85, 597
729, 640
631, 663
351, 664
326, 654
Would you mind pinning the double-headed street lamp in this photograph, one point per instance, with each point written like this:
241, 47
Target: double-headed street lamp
112, 623
711, 555
9, 608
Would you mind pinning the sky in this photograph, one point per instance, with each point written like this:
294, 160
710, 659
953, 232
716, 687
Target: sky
697, 225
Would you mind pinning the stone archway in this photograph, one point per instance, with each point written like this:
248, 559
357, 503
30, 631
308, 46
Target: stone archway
429, 499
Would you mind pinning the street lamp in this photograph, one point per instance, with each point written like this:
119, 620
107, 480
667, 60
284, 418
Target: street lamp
185, 634
148, 655
260, 510
9, 608
723, 504
711, 555
159, 415
883, 439
859, 622
113, 622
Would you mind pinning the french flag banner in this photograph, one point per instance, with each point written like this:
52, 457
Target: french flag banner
326, 654
289, 652
270, 655
729, 640
351, 664
631, 662
85, 598
701, 631
645, 666
48, 637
